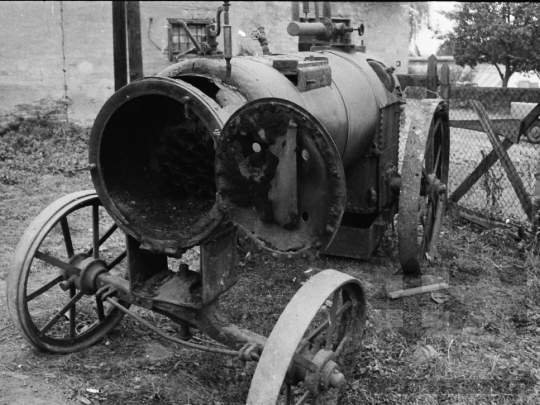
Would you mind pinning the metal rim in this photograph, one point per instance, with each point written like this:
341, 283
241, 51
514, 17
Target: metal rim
206, 109
28, 253
295, 333
424, 179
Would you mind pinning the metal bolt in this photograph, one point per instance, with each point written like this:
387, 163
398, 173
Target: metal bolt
66, 285
337, 379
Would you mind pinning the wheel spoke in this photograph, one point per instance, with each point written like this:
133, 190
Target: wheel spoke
95, 230
342, 344
102, 240
287, 394
45, 288
323, 326
100, 310
427, 229
61, 313
116, 261
53, 261
431, 136
303, 398
72, 313
332, 320
437, 161
67, 236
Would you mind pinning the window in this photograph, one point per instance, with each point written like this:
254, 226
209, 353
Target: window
305, 42
179, 42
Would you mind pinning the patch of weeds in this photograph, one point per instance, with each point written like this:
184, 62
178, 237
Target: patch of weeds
465, 271
40, 146
491, 184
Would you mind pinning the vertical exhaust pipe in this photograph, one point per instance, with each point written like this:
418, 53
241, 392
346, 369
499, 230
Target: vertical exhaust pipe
327, 9
316, 7
305, 9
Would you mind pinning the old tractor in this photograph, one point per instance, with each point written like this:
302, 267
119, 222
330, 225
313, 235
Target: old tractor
292, 154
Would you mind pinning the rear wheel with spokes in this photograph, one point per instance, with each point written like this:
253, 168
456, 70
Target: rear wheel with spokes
424, 179
44, 302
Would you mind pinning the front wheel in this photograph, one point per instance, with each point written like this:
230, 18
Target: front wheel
43, 300
312, 349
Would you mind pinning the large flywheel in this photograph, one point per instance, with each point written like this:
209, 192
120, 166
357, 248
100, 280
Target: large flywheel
424, 179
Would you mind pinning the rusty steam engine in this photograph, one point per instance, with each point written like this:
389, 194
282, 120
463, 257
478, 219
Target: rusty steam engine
294, 154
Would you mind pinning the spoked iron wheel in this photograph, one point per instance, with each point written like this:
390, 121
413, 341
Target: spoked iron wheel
311, 351
423, 190
44, 302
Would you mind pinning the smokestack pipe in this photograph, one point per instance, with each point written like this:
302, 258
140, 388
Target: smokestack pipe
326, 9
316, 7
305, 8
295, 9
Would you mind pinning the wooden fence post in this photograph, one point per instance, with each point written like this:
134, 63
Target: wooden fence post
432, 77
119, 44
445, 82
134, 40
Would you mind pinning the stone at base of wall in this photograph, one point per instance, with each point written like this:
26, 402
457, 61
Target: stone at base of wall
53, 110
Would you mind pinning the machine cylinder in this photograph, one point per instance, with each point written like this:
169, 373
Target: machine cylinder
154, 141
297, 28
348, 105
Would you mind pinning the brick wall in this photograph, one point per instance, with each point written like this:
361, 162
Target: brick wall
31, 52
54, 110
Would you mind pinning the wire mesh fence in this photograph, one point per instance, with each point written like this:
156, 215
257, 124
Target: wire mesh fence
493, 171
493, 194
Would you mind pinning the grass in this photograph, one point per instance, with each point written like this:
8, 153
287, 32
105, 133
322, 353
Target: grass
486, 334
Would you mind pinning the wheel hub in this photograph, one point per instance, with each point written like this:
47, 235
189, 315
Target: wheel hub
91, 268
327, 375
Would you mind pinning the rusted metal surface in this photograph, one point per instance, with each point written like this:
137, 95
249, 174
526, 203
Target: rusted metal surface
350, 119
287, 215
218, 265
358, 242
156, 177
287, 336
284, 187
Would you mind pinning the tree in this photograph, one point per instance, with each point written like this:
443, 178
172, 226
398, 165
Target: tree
446, 48
418, 16
502, 34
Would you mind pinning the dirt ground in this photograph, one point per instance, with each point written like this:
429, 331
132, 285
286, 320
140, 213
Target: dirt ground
475, 343
486, 332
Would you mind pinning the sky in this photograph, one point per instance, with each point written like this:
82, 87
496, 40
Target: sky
425, 40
